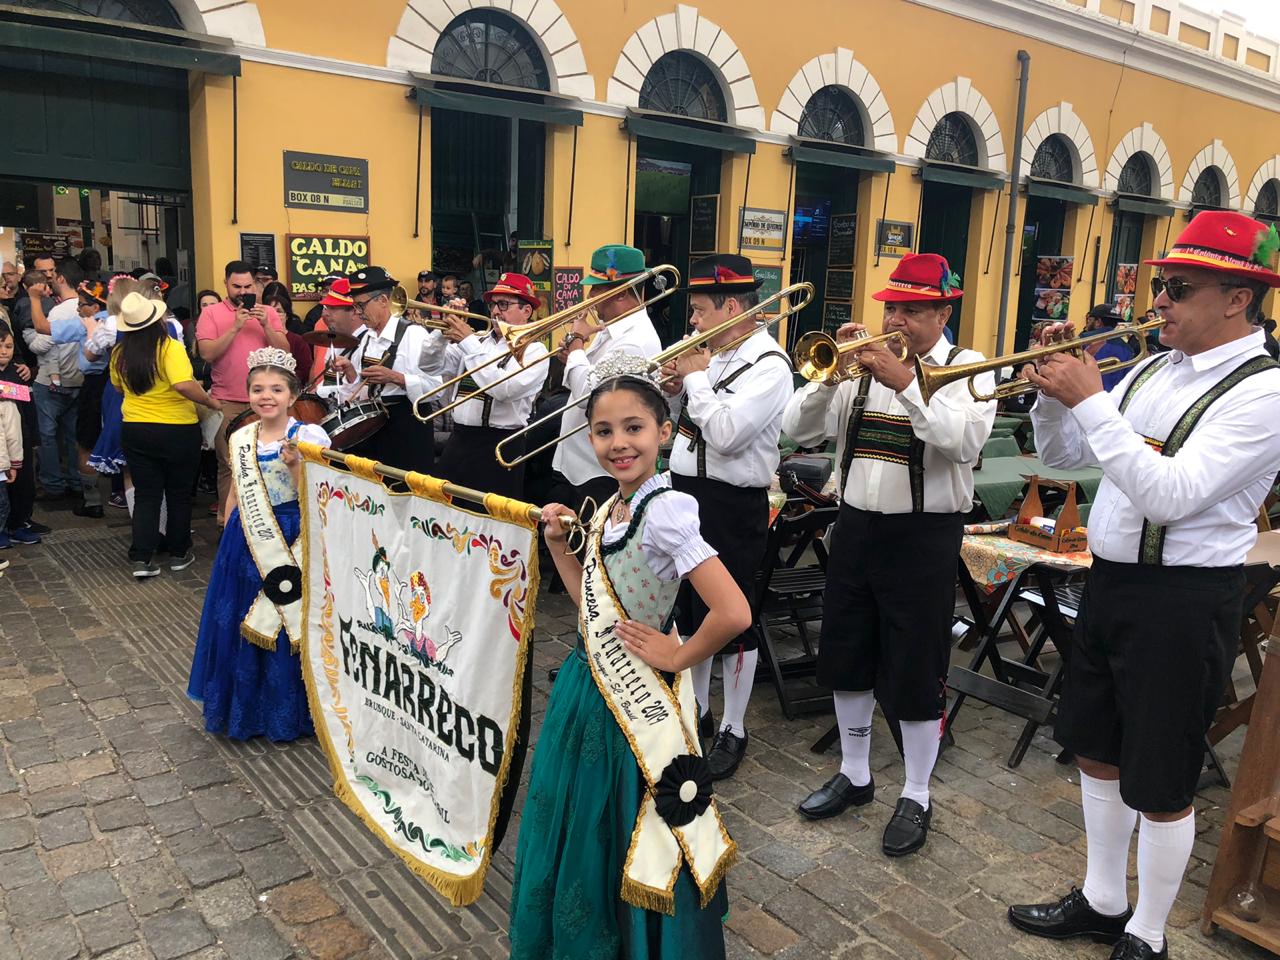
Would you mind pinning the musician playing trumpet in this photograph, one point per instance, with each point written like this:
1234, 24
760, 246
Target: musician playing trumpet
906, 481
728, 408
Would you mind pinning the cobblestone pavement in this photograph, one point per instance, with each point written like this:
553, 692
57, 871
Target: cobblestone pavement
126, 832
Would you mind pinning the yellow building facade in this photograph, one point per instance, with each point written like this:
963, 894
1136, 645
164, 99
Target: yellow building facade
846, 129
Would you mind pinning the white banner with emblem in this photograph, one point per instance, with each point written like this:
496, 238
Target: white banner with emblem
417, 623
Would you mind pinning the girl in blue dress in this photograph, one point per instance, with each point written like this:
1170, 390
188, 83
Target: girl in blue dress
622, 853
246, 668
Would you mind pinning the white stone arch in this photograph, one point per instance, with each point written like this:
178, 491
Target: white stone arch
1268, 171
959, 96
1214, 155
838, 69
236, 20
1143, 139
1063, 120
423, 21
687, 30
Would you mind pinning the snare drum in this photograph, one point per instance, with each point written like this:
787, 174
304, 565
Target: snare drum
354, 423
310, 408
240, 420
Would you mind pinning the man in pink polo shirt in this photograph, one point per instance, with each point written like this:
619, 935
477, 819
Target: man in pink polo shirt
226, 333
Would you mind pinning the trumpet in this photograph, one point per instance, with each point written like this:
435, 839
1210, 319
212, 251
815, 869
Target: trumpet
932, 378
400, 303
804, 294
818, 356
519, 335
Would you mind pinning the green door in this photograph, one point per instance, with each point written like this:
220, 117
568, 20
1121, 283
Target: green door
93, 122
944, 229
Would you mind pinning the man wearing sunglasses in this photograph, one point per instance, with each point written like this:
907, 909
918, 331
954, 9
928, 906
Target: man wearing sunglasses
1188, 444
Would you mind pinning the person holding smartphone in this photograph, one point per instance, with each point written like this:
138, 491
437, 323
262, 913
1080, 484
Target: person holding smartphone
226, 333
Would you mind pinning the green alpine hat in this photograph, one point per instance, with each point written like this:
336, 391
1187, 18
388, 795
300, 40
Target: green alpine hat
613, 263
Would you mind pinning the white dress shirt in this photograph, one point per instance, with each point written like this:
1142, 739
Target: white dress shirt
952, 425
408, 361
632, 334
510, 402
741, 422
1207, 495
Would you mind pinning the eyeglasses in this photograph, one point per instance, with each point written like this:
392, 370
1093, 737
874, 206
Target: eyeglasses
1176, 288
359, 305
505, 305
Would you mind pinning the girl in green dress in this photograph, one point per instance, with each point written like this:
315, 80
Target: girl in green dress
622, 853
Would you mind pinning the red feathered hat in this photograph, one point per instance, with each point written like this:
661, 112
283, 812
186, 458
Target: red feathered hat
514, 285
1226, 242
921, 276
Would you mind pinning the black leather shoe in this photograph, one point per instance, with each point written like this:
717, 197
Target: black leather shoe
726, 753
706, 726
84, 510
907, 829
835, 796
1129, 947
1069, 917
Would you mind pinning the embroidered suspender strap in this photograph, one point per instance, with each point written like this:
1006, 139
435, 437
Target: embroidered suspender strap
279, 604
1151, 546
853, 427
678, 820
686, 426
1145, 374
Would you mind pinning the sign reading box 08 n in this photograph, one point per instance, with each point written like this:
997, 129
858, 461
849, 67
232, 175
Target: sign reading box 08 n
317, 181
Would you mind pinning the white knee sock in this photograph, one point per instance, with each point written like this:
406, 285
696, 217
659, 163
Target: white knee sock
128, 499
920, 741
1163, 852
739, 676
853, 714
1108, 826
701, 673
164, 515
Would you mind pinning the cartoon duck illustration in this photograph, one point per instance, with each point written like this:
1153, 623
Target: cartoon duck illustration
412, 629
381, 588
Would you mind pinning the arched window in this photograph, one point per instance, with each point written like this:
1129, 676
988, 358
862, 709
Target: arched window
154, 13
952, 141
1207, 191
832, 114
1053, 160
680, 83
1268, 204
490, 47
1135, 176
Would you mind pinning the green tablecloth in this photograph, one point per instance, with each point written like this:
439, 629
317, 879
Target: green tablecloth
1000, 482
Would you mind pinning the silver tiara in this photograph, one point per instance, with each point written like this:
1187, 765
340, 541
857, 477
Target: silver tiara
622, 364
273, 357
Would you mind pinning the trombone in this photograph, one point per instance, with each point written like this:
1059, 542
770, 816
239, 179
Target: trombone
932, 378
818, 356
674, 352
519, 335
400, 302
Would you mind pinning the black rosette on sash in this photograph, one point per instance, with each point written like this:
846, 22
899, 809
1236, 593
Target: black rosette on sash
283, 585
684, 790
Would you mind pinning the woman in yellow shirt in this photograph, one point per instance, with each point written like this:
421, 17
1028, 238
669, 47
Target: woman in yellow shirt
160, 433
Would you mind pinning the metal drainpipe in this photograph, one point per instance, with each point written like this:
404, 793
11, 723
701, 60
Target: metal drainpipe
1011, 229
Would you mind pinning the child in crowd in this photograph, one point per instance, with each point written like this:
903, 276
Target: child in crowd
246, 667
11, 452
618, 778
19, 481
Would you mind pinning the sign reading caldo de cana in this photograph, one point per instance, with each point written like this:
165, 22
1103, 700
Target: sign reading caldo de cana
316, 181
313, 257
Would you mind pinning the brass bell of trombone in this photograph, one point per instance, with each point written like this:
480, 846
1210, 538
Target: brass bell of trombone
400, 303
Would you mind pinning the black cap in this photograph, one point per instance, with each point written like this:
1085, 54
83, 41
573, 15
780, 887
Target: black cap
722, 273
266, 271
371, 280
426, 274
1109, 313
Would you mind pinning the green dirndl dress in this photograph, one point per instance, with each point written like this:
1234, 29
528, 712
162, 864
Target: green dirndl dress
584, 797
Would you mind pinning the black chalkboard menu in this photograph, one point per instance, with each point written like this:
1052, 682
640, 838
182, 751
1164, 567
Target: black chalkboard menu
704, 223
258, 249
839, 285
840, 252
836, 314
566, 288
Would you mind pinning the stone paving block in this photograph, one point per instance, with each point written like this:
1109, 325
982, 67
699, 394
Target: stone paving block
302, 902
175, 817
333, 939
204, 773
58, 798
189, 841
107, 929
133, 844
227, 903
175, 933
209, 865
273, 865
18, 731
50, 941
145, 763
64, 827
784, 860
86, 892
764, 933
223, 804
148, 887
162, 788
34, 753
20, 868
94, 765
30, 905
802, 911
905, 938
13, 806
114, 814
255, 939
45, 776
840, 896
250, 834
110, 787
76, 858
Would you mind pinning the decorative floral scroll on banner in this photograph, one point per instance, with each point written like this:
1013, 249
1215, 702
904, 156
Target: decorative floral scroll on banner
418, 617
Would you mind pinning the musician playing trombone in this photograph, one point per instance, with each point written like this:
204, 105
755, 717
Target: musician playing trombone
502, 408
906, 476
631, 331
729, 414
